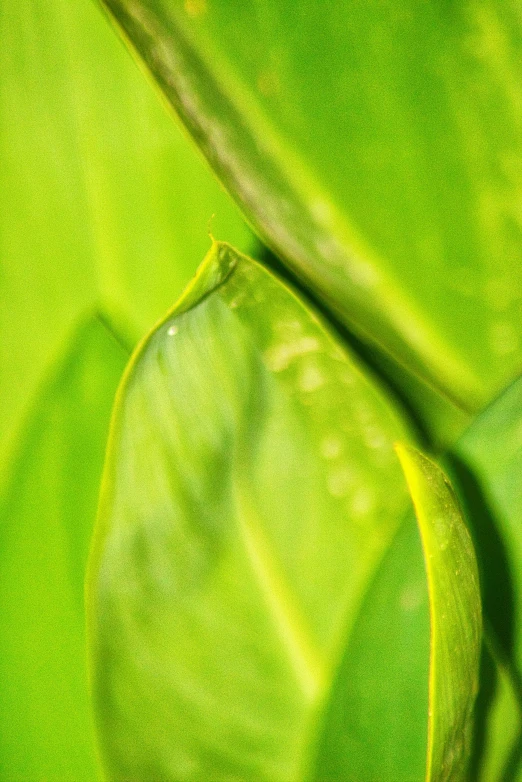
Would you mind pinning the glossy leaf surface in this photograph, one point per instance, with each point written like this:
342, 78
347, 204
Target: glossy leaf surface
250, 490
455, 616
45, 527
102, 201
375, 146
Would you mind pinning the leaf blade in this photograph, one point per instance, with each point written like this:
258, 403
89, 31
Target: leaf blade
375, 725
369, 128
46, 523
485, 467
455, 615
230, 533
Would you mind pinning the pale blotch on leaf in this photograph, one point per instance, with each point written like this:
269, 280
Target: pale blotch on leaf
332, 447
322, 211
311, 378
268, 83
340, 481
498, 292
442, 531
172, 331
280, 356
195, 8
362, 502
347, 378
374, 437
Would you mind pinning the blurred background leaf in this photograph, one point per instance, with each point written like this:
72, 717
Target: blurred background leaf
46, 522
377, 725
498, 719
486, 465
104, 205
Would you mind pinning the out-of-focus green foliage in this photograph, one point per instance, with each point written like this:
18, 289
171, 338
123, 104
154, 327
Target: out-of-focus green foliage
486, 467
263, 603
45, 529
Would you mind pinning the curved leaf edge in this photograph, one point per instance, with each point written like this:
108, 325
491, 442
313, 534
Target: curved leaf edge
214, 270
447, 758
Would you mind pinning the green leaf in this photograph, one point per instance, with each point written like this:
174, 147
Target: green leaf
380, 700
375, 146
103, 203
251, 489
486, 467
439, 420
455, 616
245, 558
45, 528
498, 720
376, 723
487, 470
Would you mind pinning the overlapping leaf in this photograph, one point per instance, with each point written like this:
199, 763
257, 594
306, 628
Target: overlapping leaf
375, 146
498, 719
250, 491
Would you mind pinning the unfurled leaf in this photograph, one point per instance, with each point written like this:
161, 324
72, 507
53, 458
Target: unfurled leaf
102, 202
251, 489
45, 527
375, 146
455, 616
